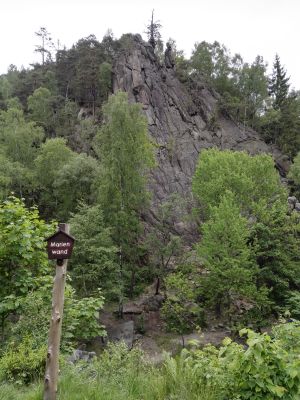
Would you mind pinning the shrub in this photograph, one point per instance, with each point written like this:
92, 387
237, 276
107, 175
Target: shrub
22, 363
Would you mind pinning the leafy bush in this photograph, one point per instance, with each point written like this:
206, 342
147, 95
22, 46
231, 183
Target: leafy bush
93, 262
23, 259
80, 320
23, 362
81, 317
293, 304
180, 310
267, 369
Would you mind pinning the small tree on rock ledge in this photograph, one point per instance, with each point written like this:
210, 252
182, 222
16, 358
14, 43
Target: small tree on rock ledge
152, 31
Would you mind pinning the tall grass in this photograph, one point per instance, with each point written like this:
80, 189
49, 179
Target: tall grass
118, 375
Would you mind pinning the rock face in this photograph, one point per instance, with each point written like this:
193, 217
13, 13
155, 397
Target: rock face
181, 122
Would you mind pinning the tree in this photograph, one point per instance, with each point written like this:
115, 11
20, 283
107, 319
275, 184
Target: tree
94, 260
40, 107
19, 146
152, 31
19, 139
211, 61
105, 80
274, 238
253, 88
75, 182
250, 178
89, 72
180, 309
22, 253
289, 125
164, 244
279, 86
224, 250
5, 91
294, 172
126, 155
271, 234
53, 156
46, 45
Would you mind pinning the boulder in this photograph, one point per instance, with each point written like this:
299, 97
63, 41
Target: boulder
123, 331
81, 355
297, 207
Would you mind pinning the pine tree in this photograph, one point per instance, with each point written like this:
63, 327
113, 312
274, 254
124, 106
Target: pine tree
279, 86
152, 31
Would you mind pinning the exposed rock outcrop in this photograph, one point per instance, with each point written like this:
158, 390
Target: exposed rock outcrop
181, 122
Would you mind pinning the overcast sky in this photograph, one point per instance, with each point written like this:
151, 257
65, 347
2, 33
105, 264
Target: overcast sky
248, 27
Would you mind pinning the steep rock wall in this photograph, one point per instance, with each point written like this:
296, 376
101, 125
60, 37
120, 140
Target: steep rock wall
181, 122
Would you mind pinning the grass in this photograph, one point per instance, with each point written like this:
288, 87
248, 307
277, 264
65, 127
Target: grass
118, 375
151, 385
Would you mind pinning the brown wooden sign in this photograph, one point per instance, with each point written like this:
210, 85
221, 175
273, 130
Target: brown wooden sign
60, 246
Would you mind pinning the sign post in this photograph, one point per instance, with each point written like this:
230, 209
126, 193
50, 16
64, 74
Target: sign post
59, 247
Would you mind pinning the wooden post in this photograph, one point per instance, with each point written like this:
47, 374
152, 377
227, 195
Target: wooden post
52, 365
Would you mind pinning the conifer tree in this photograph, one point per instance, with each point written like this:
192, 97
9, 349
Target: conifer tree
152, 31
279, 86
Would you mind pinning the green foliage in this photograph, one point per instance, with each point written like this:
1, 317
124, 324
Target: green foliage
65, 178
180, 310
267, 368
262, 370
292, 304
40, 107
93, 261
81, 319
117, 357
105, 79
212, 63
279, 86
275, 238
75, 182
22, 362
5, 91
126, 156
53, 156
19, 146
250, 179
33, 314
19, 139
226, 256
22, 253
254, 257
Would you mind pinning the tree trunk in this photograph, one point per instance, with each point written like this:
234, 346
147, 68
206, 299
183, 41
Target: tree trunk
182, 341
51, 374
157, 285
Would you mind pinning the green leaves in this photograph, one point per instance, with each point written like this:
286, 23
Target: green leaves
250, 243
250, 179
22, 252
126, 156
93, 262
262, 370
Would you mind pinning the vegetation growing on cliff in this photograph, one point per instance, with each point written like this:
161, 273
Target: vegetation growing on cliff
72, 150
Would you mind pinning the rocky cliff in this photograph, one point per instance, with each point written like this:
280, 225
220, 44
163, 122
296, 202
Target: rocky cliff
182, 122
